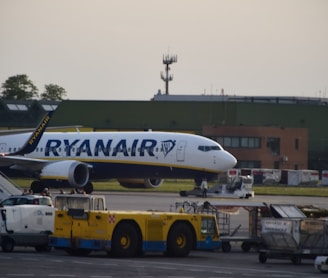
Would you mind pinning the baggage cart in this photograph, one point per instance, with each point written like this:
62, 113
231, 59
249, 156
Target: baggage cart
294, 239
229, 230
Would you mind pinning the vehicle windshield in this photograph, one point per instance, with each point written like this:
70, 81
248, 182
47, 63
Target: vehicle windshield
26, 200
65, 203
209, 226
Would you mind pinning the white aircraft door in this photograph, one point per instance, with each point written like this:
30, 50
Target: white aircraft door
181, 150
3, 147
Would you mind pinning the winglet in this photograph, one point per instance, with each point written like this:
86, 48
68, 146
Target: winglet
35, 137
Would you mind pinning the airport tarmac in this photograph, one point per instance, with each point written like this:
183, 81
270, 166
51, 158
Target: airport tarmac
25, 262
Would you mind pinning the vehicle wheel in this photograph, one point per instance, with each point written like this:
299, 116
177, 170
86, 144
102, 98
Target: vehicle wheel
7, 245
296, 259
226, 246
183, 193
88, 188
43, 248
125, 240
179, 240
262, 257
246, 246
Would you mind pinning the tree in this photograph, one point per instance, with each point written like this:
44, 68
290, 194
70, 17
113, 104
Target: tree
53, 92
19, 87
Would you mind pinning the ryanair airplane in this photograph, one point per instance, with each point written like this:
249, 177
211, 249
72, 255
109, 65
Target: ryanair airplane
135, 159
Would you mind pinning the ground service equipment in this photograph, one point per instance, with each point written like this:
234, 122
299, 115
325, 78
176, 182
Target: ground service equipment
131, 233
294, 239
80, 201
240, 187
26, 225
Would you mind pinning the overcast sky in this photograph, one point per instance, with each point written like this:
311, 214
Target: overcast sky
112, 50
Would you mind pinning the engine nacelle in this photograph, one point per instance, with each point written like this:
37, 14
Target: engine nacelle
140, 183
75, 173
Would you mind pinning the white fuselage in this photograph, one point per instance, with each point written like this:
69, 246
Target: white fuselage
130, 154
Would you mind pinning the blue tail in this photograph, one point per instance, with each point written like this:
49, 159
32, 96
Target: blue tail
35, 137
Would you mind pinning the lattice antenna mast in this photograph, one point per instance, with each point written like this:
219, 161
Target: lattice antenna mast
168, 60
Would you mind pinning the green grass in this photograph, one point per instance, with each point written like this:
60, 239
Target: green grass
315, 191
175, 186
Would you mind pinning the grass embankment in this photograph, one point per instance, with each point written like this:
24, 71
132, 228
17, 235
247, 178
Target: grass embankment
178, 185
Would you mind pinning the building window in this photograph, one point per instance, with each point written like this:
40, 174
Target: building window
248, 164
227, 142
235, 142
273, 144
244, 141
296, 144
254, 143
239, 142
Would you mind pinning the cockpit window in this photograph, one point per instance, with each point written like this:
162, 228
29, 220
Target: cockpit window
209, 148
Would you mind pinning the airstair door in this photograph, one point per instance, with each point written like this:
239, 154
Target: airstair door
3, 147
181, 150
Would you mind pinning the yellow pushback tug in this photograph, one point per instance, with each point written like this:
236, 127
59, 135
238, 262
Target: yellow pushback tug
131, 233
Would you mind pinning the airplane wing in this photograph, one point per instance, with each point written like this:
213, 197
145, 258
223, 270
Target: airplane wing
23, 163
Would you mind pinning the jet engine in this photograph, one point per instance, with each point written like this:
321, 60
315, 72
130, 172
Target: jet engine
140, 183
75, 173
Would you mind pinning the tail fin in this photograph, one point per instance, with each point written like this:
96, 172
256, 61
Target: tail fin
35, 137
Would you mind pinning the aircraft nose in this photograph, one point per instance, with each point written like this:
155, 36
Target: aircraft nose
229, 161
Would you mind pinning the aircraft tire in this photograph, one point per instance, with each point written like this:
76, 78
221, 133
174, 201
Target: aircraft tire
179, 242
183, 193
126, 240
37, 186
88, 188
7, 245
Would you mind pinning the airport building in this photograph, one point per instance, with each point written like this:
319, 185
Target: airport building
262, 132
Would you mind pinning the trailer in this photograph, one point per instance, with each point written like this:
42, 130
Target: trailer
131, 233
249, 236
26, 225
239, 187
294, 239
230, 231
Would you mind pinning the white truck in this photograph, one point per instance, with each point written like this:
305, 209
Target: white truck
26, 225
30, 225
